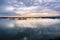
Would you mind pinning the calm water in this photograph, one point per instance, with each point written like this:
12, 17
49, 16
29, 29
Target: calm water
40, 29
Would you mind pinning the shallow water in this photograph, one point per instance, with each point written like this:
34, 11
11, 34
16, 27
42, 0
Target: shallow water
30, 29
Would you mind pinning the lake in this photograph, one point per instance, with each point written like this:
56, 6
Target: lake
34, 29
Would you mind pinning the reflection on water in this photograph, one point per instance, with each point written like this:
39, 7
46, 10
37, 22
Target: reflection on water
29, 23
30, 29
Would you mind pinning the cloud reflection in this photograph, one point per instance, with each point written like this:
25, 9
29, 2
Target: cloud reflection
30, 23
30, 28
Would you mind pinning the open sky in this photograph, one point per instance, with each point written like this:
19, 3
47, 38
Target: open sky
12, 7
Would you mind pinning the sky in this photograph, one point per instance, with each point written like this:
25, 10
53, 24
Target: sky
12, 7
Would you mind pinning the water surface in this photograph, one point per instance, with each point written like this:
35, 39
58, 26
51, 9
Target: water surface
37, 29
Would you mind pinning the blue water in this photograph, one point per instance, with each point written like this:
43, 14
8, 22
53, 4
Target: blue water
40, 29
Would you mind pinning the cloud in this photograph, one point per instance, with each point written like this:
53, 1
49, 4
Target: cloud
53, 6
46, 6
4, 10
9, 8
26, 9
27, 6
